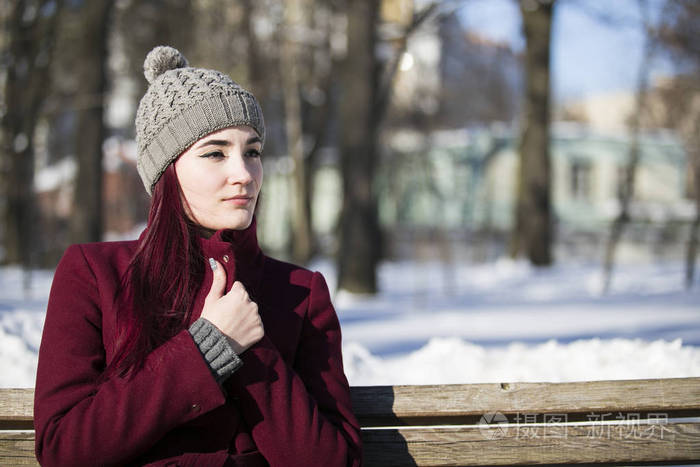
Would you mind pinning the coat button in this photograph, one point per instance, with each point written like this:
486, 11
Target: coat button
225, 258
195, 408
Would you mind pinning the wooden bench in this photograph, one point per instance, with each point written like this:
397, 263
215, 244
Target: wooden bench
601, 422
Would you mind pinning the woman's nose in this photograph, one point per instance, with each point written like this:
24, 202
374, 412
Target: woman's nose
238, 171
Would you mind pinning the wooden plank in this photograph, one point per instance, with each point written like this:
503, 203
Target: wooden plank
17, 448
674, 395
588, 444
16, 409
16, 404
377, 405
577, 444
484, 444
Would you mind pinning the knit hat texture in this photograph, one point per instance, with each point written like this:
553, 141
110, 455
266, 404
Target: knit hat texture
182, 105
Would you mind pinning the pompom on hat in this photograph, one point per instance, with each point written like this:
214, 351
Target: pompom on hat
182, 105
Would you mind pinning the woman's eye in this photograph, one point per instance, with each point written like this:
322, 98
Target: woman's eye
253, 153
213, 155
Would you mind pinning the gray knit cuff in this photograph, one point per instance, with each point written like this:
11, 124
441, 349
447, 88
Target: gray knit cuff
215, 349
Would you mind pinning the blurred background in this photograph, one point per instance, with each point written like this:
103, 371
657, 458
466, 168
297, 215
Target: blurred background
497, 187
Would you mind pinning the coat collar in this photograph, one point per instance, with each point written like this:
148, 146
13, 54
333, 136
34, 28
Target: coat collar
239, 253
239, 244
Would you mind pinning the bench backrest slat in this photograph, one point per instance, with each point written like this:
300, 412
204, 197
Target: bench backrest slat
17, 448
672, 395
484, 446
680, 443
436, 404
16, 404
16, 409
441, 425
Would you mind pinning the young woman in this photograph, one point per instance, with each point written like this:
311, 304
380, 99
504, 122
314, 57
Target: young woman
189, 346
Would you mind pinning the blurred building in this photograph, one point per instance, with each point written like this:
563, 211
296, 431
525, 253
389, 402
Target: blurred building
481, 81
449, 78
466, 178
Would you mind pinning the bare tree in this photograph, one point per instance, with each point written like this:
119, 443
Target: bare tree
294, 29
692, 138
319, 111
388, 72
144, 25
678, 33
626, 189
86, 223
359, 225
367, 88
533, 232
30, 33
693, 147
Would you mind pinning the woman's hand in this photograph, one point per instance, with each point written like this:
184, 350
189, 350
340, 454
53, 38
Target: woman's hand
233, 313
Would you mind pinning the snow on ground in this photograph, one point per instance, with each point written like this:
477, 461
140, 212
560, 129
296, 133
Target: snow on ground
439, 323
453, 360
22, 312
505, 301
507, 321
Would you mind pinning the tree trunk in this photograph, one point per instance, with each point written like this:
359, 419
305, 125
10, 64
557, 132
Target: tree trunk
86, 224
301, 234
692, 248
30, 43
319, 129
256, 69
318, 119
626, 192
533, 232
359, 250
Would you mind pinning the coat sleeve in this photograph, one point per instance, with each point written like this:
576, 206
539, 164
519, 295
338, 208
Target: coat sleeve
301, 416
79, 421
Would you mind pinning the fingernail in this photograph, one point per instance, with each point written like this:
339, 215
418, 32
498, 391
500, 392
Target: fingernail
212, 263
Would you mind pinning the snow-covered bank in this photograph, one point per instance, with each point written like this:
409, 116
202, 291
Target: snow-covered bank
453, 360
503, 302
506, 321
22, 314
437, 323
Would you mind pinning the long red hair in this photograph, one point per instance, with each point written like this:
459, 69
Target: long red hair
157, 292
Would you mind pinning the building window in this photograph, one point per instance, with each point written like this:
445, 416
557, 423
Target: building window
581, 180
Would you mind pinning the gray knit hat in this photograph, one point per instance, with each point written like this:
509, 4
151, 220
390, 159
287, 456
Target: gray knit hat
182, 105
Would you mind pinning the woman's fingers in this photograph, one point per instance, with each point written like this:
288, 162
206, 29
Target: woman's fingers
233, 313
239, 289
218, 283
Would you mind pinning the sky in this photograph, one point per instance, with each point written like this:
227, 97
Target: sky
597, 45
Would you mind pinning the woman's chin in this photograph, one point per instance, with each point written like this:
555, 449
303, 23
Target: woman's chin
223, 219
236, 221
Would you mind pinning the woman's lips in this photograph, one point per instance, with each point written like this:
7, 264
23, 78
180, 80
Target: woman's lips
239, 200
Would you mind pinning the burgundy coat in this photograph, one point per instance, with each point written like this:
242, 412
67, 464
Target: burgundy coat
287, 405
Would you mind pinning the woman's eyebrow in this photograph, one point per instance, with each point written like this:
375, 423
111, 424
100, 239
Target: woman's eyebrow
214, 142
225, 142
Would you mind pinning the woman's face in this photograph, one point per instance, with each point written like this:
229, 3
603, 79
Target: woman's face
220, 176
